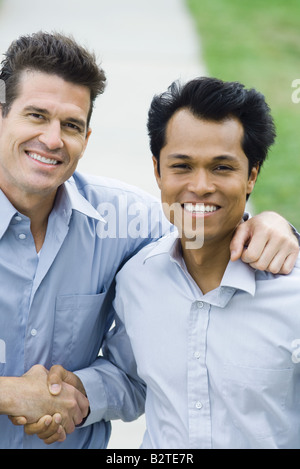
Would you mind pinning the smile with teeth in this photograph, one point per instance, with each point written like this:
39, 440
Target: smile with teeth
200, 208
42, 159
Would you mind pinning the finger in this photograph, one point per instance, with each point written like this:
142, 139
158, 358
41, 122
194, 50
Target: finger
239, 241
69, 426
38, 427
276, 258
289, 264
260, 256
17, 420
254, 251
57, 374
59, 437
262, 264
53, 428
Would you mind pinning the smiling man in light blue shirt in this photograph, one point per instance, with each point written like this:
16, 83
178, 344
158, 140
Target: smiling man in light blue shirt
57, 261
216, 342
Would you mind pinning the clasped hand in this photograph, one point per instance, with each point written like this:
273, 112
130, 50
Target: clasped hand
54, 403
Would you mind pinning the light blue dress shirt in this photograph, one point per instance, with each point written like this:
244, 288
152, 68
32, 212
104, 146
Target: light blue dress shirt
222, 369
55, 307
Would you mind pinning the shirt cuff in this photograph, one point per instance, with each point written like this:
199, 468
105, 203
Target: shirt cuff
94, 388
296, 233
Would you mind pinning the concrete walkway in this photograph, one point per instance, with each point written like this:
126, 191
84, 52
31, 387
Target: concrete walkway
143, 45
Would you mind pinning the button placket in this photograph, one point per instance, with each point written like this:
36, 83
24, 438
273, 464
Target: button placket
198, 394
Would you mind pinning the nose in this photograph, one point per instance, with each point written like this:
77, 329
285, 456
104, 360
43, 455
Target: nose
51, 136
201, 183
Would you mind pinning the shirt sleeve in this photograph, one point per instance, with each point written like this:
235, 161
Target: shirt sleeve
296, 233
112, 385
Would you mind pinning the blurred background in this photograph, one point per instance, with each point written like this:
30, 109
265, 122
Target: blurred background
143, 46
257, 42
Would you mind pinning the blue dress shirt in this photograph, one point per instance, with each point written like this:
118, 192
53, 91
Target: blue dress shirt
222, 369
55, 307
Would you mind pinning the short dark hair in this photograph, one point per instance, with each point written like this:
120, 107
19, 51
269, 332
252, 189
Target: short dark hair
215, 100
55, 54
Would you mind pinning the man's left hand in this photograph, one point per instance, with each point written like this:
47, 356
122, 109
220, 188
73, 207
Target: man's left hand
266, 242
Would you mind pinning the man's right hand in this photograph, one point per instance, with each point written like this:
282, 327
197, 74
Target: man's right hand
36, 401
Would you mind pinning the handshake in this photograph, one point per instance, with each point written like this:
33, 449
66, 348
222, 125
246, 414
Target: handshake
48, 403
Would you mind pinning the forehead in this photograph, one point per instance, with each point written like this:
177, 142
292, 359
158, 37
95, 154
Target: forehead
52, 92
186, 134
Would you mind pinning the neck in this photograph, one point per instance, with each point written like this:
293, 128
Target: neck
37, 209
207, 264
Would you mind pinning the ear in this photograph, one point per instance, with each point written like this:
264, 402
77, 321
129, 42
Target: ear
252, 179
156, 171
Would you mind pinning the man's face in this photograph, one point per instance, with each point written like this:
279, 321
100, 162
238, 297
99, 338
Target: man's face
44, 134
203, 167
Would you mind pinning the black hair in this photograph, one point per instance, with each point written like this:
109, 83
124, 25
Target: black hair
212, 99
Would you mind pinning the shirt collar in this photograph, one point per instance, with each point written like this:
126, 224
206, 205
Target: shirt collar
7, 211
238, 275
71, 199
68, 199
164, 245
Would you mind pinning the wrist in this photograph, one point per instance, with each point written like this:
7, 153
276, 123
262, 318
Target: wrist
9, 399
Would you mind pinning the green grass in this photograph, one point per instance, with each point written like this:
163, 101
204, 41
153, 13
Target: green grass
257, 42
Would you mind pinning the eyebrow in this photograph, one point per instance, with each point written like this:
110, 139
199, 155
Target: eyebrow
80, 122
188, 158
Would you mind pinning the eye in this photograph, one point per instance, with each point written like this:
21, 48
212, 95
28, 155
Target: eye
73, 127
181, 166
224, 168
37, 116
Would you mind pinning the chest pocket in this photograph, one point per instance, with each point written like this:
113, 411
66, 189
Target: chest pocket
78, 330
256, 399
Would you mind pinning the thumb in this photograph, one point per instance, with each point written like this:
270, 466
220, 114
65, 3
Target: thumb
56, 375
239, 241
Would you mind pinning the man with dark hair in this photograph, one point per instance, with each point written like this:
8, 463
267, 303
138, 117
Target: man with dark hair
217, 345
57, 267
58, 260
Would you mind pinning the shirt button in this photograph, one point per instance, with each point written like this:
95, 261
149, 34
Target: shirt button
200, 304
18, 218
33, 332
22, 236
199, 405
197, 354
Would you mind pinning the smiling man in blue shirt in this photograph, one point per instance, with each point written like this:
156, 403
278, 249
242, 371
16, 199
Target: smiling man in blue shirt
58, 258
215, 341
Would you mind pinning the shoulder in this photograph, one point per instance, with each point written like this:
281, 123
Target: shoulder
129, 212
153, 258
137, 263
101, 189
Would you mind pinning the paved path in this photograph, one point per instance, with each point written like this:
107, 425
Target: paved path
143, 45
